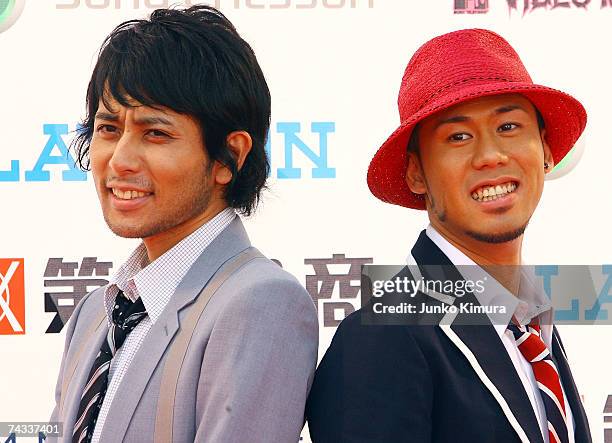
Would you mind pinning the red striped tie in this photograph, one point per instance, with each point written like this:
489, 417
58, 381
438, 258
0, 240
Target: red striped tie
546, 374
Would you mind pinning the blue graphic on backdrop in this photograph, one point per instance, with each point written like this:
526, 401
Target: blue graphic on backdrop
585, 290
40, 173
292, 140
55, 153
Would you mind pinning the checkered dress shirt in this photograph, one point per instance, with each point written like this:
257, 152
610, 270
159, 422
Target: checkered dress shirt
155, 283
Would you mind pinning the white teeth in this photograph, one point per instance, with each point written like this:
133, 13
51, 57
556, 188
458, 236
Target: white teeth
128, 195
488, 193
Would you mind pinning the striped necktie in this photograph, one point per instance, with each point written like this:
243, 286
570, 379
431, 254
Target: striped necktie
126, 315
534, 350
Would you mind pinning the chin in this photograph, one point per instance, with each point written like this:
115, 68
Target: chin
126, 231
497, 236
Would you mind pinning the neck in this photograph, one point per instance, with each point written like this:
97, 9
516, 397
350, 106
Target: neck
159, 244
500, 260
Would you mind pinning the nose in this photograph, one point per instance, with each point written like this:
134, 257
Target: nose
489, 152
126, 157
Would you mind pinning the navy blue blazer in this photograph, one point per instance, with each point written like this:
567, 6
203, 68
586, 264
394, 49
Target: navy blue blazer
393, 384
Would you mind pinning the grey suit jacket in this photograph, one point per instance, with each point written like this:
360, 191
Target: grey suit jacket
248, 368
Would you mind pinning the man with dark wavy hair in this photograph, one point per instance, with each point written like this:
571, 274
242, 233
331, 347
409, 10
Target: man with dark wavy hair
197, 337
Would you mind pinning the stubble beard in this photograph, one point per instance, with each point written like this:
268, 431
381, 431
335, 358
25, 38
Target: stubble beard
184, 210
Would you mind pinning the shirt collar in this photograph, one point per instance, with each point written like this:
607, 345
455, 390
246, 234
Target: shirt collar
155, 282
533, 302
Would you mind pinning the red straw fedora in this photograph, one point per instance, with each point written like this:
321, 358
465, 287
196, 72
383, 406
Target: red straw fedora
457, 67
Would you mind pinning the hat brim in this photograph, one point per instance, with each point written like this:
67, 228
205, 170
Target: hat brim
564, 117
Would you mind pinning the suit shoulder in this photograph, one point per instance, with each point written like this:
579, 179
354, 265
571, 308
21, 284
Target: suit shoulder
268, 269
354, 326
353, 330
264, 272
263, 281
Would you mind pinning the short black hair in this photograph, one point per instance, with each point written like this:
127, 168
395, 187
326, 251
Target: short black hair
194, 62
413, 142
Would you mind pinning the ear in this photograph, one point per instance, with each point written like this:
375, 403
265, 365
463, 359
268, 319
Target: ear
548, 158
414, 175
240, 144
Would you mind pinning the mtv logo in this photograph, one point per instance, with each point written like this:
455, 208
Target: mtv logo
471, 6
12, 296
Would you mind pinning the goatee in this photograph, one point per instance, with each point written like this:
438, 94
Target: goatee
498, 237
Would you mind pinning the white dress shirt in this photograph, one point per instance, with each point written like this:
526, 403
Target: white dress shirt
155, 283
522, 311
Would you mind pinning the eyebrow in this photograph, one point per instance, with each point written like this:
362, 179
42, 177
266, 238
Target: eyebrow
108, 116
453, 119
464, 118
508, 108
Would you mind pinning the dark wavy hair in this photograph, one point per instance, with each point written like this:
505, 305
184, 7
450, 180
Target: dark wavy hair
194, 62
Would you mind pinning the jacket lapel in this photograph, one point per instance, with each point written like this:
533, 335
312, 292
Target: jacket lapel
230, 242
487, 355
582, 433
78, 379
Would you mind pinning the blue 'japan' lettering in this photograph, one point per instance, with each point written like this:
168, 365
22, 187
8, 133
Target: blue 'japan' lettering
38, 174
546, 272
11, 175
596, 312
290, 130
55, 152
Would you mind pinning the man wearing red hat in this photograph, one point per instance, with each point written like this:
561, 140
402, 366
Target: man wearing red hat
476, 138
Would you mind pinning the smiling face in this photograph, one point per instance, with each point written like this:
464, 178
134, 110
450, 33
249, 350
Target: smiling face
151, 170
481, 166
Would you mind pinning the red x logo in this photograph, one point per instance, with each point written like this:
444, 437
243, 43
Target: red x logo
12, 296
